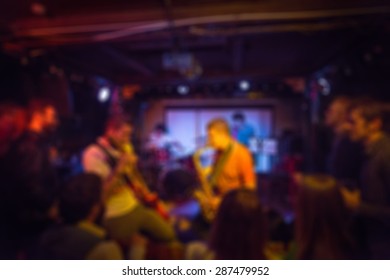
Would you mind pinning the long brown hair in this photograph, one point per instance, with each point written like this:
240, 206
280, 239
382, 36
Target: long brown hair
321, 221
239, 230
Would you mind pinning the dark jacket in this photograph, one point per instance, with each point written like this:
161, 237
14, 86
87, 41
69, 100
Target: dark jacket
67, 242
345, 160
28, 181
375, 206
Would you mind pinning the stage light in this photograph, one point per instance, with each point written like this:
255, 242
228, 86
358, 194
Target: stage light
244, 85
104, 94
183, 89
38, 9
325, 86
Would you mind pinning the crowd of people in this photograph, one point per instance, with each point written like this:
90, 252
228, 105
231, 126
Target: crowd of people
108, 211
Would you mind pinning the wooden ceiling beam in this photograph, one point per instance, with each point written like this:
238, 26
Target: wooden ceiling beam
125, 60
111, 26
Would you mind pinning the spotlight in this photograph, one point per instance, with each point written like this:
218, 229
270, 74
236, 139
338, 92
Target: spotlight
244, 85
38, 9
325, 86
183, 89
104, 94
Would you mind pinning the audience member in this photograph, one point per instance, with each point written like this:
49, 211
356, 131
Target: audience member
28, 179
372, 203
79, 236
238, 232
346, 156
178, 186
321, 220
12, 125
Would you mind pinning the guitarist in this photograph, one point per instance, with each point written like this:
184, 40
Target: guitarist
232, 167
124, 214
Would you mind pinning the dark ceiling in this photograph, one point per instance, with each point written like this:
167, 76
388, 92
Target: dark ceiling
125, 41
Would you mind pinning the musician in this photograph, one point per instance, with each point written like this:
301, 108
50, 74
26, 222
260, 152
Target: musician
242, 131
162, 145
124, 214
232, 167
